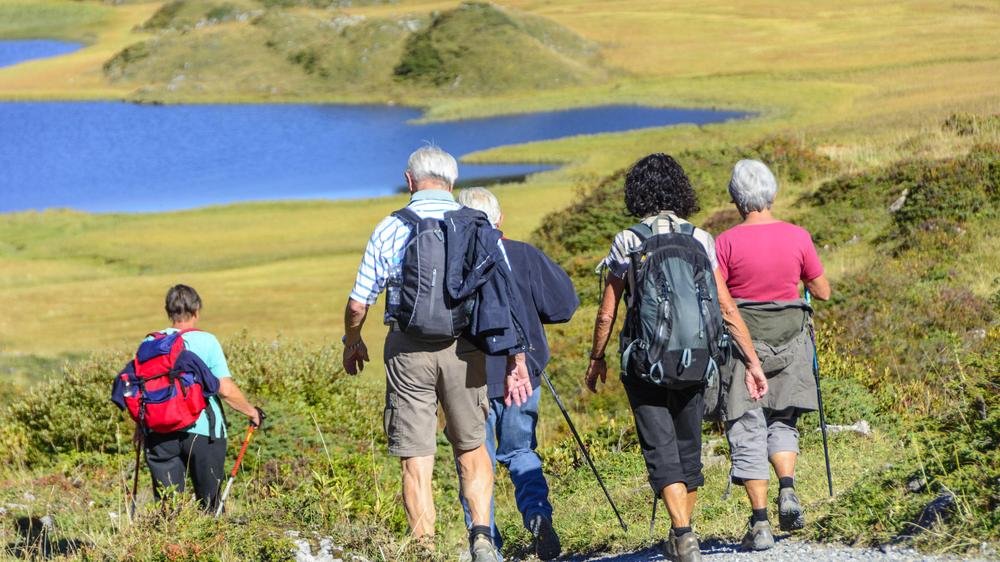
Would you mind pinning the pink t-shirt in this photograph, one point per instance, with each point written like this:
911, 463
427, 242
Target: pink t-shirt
765, 262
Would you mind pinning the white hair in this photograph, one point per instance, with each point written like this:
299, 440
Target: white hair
752, 186
430, 162
481, 199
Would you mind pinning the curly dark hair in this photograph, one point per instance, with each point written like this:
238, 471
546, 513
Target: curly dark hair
658, 183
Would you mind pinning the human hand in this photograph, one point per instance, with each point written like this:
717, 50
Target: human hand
756, 381
597, 368
355, 356
517, 383
257, 417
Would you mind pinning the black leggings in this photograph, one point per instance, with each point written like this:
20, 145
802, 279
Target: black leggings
669, 426
170, 456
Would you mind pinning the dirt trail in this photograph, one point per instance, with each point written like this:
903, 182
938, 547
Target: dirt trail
789, 551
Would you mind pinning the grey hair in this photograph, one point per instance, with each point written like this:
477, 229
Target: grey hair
481, 199
430, 162
752, 186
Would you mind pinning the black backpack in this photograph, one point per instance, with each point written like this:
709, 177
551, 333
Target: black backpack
674, 334
418, 299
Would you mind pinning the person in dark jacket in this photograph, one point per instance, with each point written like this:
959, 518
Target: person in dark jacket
547, 296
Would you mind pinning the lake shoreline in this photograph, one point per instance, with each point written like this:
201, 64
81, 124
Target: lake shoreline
142, 158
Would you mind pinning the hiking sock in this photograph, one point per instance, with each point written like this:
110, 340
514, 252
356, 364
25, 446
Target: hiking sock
476, 530
786, 482
759, 515
681, 531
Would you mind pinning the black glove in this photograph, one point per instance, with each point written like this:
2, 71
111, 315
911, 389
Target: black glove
261, 415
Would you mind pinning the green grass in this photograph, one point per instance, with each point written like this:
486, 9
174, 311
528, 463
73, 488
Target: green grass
32, 19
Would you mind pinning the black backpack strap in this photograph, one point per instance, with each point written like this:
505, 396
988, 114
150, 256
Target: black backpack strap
408, 216
210, 414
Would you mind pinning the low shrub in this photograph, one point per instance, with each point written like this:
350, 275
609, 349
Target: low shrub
72, 412
970, 124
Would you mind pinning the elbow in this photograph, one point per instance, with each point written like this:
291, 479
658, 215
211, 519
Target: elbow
729, 309
823, 295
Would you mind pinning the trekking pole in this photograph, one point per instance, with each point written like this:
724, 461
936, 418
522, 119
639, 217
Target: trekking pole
819, 399
583, 448
135, 480
236, 468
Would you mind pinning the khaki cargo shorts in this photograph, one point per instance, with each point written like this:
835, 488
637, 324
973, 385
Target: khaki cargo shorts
419, 376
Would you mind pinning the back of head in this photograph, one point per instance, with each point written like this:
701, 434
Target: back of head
752, 186
481, 199
658, 183
182, 303
432, 163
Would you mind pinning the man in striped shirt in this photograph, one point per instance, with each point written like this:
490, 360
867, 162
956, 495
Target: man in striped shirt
419, 375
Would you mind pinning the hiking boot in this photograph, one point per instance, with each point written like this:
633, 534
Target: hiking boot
758, 537
544, 538
684, 549
481, 546
791, 516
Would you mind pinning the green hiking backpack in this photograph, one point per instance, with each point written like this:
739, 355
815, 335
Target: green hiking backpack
673, 335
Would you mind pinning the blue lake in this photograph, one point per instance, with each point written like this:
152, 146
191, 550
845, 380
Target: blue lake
112, 156
15, 51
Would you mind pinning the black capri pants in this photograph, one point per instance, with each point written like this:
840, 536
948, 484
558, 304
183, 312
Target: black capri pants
172, 456
669, 426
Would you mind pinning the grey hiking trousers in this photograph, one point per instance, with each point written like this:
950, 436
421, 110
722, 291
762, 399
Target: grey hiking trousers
758, 434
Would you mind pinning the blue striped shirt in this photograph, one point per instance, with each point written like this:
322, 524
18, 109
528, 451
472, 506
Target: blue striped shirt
388, 242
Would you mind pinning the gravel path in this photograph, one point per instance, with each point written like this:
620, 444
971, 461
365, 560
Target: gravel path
788, 551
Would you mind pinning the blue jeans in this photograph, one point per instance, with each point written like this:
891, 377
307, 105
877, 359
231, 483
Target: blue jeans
510, 440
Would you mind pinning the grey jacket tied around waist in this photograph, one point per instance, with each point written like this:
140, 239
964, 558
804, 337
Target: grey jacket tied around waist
780, 333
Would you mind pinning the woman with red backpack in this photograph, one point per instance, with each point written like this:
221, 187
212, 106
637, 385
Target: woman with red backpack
172, 390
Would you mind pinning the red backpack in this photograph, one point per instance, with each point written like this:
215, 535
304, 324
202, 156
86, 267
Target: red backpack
159, 396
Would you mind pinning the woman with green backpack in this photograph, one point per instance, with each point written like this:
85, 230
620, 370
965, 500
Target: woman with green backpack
674, 338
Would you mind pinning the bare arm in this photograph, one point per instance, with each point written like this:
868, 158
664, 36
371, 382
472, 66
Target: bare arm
355, 351
233, 396
755, 380
819, 288
603, 325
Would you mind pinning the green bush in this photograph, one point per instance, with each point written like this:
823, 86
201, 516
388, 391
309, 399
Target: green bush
73, 412
479, 47
969, 124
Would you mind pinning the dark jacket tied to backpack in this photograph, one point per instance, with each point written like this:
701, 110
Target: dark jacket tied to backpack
477, 267
780, 333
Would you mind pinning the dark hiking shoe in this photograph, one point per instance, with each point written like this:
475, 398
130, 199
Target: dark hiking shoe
791, 517
758, 537
481, 546
544, 538
684, 549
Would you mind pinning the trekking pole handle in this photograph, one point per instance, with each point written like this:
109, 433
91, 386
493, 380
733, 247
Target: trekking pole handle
243, 450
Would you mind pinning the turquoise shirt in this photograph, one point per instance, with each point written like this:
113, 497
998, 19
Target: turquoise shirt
208, 349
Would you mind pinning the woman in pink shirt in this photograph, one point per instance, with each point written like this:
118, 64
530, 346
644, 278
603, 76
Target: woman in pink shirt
762, 261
